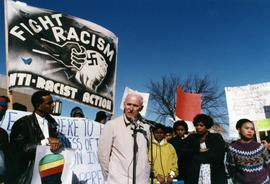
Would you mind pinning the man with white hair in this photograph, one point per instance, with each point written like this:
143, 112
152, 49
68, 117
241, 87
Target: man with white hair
115, 151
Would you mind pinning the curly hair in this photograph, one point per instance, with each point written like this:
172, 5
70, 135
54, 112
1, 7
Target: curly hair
205, 119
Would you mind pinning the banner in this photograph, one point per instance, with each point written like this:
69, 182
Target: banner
250, 101
188, 105
83, 135
68, 56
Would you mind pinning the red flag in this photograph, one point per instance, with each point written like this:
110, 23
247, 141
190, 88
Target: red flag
188, 105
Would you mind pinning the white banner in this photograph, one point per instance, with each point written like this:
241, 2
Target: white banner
250, 101
83, 135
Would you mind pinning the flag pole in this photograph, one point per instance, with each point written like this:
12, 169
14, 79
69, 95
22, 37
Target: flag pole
9, 92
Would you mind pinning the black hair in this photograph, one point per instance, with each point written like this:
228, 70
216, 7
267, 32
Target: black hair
180, 123
19, 106
76, 110
205, 119
168, 129
37, 99
240, 123
159, 126
100, 115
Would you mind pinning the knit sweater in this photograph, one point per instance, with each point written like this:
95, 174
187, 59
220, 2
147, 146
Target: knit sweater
248, 163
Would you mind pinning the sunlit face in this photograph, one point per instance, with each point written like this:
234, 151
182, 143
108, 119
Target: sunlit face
46, 107
180, 131
200, 128
159, 134
132, 106
247, 131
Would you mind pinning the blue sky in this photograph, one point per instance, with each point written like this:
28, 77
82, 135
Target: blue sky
227, 39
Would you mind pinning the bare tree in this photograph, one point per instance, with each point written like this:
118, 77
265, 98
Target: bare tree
163, 96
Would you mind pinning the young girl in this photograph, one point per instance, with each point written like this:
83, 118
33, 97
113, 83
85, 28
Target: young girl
164, 158
247, 160
180, 145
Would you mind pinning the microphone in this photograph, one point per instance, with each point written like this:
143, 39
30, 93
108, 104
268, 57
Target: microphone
147, 121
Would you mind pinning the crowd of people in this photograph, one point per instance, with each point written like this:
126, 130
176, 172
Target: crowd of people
200, 157
133, 151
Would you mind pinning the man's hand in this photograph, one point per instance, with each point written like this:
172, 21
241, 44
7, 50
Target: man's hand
70, 54
55, 144
89, 66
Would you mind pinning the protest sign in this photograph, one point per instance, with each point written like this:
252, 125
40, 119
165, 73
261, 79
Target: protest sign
68, 56
83, 134
250, 101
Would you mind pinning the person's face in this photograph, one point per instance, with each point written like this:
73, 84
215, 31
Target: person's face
159, 134
78, 115
200, 128
46, 107
180, 131
247, 131
168, 136
103, 121
132, 106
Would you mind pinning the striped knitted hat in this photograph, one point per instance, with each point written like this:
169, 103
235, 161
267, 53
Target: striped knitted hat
3, 103
50, 168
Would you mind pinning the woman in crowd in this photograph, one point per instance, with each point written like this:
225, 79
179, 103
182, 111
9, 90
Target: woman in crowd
247, 160
207, 154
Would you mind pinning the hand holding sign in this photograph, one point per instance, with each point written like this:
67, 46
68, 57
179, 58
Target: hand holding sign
54, 143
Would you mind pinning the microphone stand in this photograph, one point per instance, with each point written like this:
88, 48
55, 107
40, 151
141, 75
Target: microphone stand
135, 150
152, 157
152, 125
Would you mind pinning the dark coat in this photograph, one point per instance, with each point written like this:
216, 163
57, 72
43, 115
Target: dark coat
214, 156
24, 137
180, 146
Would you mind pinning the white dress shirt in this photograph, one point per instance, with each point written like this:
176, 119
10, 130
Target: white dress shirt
43, 124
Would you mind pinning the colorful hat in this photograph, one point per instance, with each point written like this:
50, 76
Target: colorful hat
50, 168
3, 103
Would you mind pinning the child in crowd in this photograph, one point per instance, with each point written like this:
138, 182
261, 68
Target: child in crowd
247, 160
163, 157
168, 133
179, 142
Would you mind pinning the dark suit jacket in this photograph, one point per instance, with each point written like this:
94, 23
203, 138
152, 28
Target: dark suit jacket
24, 137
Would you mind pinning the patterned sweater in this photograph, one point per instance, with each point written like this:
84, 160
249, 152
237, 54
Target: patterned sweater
248, 163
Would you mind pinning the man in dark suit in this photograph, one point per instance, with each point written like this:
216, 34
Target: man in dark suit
39, 128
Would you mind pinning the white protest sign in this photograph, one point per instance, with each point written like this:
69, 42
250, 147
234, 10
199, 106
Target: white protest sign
83, 135
250, 101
